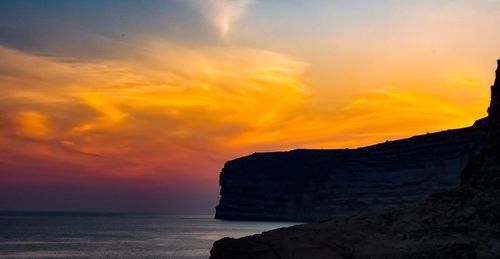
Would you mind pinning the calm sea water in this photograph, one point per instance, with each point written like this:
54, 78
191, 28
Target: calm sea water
56, 235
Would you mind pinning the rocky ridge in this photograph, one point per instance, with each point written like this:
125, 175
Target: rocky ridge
460, 223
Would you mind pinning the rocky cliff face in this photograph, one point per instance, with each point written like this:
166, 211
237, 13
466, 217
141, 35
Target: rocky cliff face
309, 185
460, 223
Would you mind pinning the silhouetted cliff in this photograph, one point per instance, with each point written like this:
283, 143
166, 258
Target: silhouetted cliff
460, 223
309, 185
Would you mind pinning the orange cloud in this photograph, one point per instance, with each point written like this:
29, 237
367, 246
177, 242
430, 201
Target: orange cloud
32, 124
151, 115
109, 115
173, 113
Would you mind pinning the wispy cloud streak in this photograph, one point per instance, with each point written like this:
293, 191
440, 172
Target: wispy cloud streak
224, 13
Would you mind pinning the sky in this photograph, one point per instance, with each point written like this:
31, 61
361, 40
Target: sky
134, 106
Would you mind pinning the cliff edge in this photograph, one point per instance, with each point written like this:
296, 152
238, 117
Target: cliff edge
312, 185
459, 223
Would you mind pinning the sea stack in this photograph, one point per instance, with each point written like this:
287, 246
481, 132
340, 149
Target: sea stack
460, 223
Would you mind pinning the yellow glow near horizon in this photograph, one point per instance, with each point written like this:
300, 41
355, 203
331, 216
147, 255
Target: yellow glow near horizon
144, 101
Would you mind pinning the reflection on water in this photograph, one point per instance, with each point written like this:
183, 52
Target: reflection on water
55, 235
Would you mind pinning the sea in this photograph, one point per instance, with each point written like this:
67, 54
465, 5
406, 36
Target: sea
98, 235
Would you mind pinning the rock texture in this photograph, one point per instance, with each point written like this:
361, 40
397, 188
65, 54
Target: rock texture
460, 223
311, 185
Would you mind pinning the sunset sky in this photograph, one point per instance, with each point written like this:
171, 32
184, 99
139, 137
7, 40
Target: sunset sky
136, 105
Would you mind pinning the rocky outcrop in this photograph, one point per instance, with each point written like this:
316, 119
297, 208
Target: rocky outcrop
460, 223
311, 185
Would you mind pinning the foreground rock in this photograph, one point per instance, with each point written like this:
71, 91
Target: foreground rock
461, 223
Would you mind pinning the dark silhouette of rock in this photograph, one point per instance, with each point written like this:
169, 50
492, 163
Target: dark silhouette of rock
311, 185
459, 223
